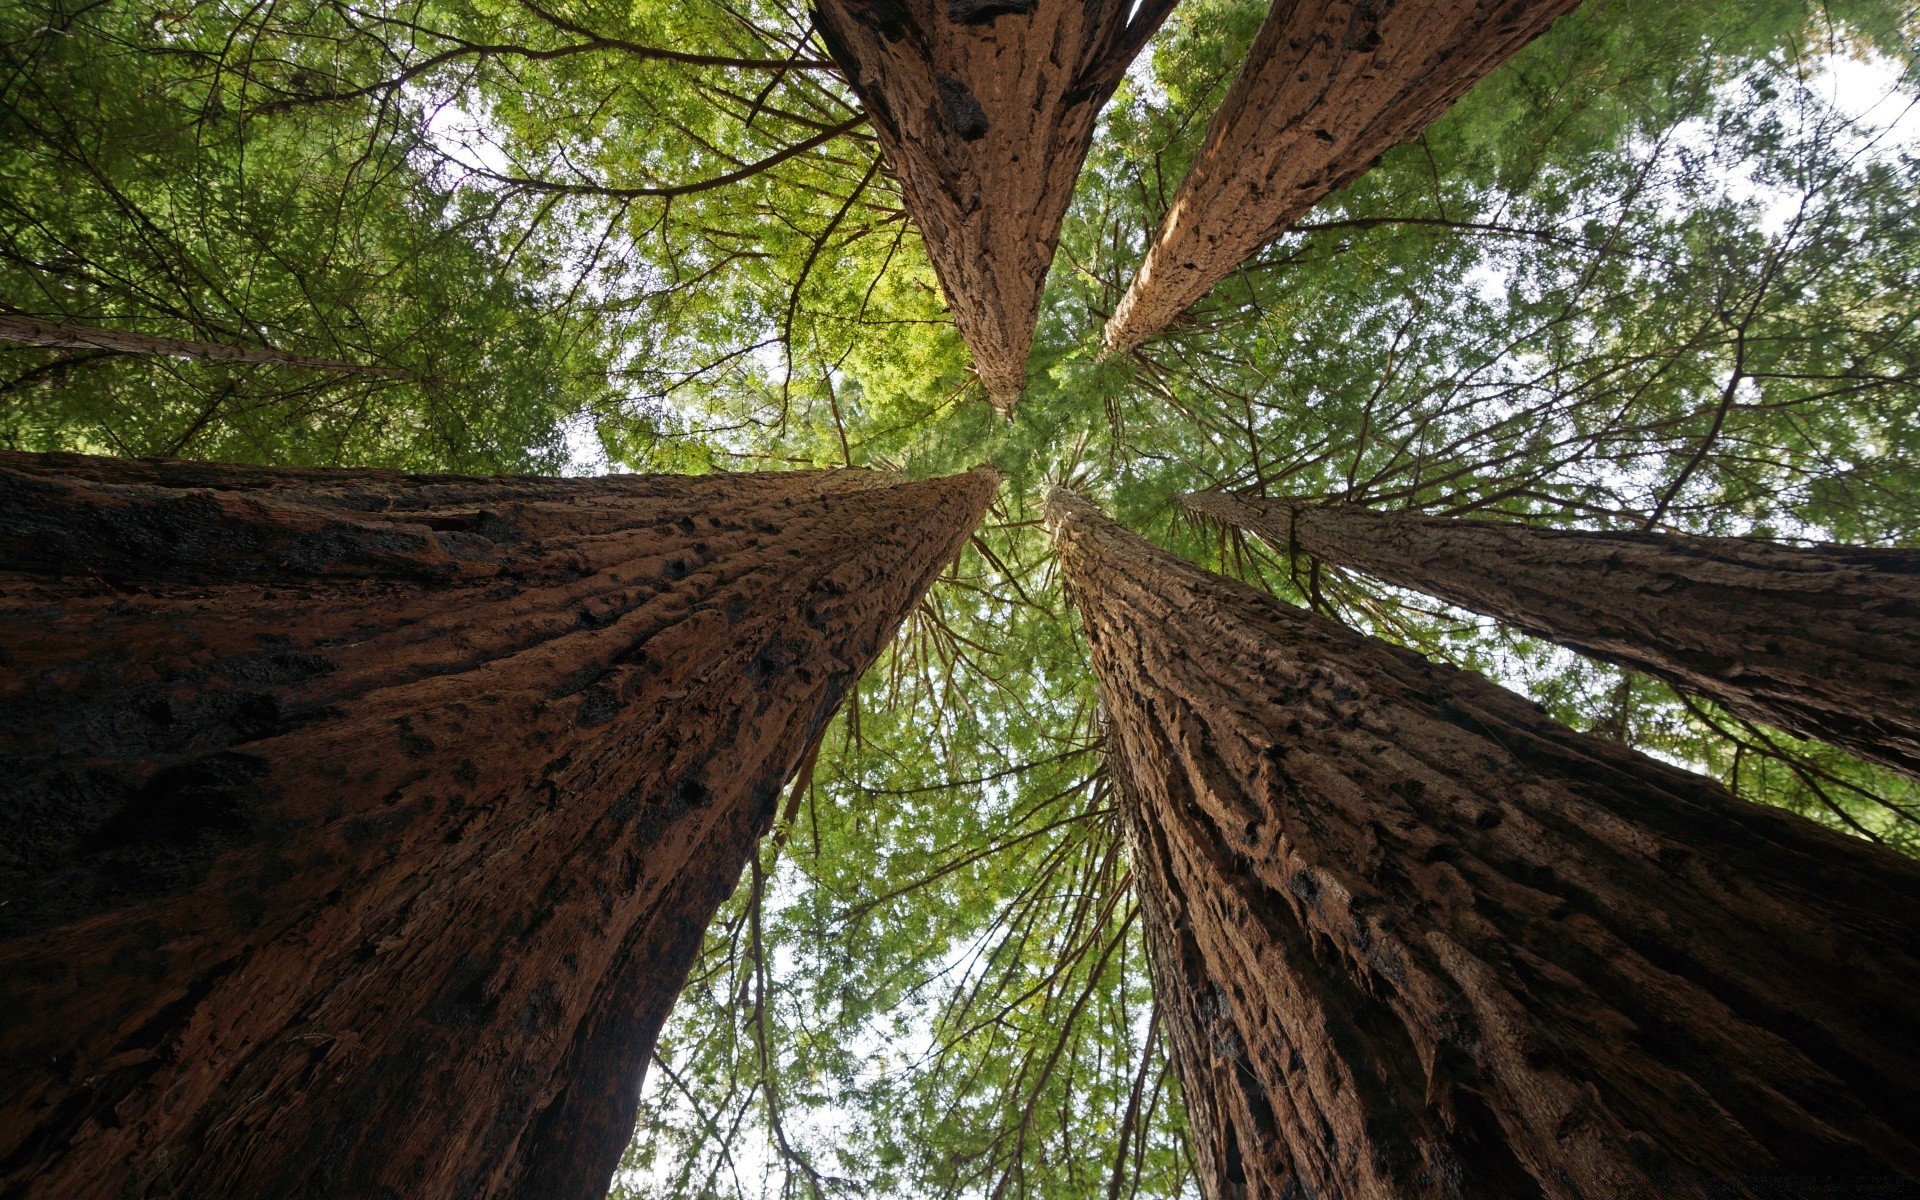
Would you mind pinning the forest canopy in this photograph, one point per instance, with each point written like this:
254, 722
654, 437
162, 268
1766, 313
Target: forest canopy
1656, 272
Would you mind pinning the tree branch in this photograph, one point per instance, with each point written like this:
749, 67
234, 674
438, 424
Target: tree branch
680, 189
38, 331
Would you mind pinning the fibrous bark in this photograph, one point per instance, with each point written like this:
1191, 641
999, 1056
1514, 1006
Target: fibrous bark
985, 110
1822, 641
1413, 939
66, 335
363, 827
1328, 87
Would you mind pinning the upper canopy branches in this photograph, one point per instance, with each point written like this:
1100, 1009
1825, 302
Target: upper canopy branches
1329, 86
986, 109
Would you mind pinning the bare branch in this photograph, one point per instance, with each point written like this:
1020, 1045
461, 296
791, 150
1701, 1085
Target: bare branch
681, 189
38, 331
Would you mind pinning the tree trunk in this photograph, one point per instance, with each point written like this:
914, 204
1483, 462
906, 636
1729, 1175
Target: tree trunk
1328, 87
1822, 641
985, 110
364, 826
64, 335
1413, 939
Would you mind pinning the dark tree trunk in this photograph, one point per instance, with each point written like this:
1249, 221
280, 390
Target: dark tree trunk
1328, 87
985, 110
1822, 641
1413, 939
362, 827
64, 335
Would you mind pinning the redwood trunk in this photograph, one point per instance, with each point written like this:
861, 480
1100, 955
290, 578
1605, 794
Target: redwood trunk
1822, 641
1413, 939
363, 827
985, 110
1328, 87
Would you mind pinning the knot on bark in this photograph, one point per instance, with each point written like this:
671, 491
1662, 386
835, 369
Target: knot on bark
961, 112
979, 12
888, 18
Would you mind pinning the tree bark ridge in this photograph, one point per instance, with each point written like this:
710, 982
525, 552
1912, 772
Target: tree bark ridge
1821, 641
361, 845
1413, 939
1328, 87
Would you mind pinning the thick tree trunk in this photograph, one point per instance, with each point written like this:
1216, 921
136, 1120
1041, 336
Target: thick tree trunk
1413, 939
1822, 641
363, 827
985, 110
1328, 87
64, 335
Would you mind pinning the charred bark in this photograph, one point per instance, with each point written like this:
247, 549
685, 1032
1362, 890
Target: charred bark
985, 110
1413, 939
363, 827
1328, 87
1822, 641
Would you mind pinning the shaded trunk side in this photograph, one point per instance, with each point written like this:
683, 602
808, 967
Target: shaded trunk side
1328, 87
1414, 939
368, 860
1821, 641
985, 110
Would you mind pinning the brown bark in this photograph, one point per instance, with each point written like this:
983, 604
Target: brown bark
64, 335
985, 110
1822, 641
363, 827
1328, 87
1413, 939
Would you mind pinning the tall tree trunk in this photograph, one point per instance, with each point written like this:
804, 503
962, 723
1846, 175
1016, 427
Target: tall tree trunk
65, 335
985, 110
363, 827
1413, 939
1328, 87
1822, 641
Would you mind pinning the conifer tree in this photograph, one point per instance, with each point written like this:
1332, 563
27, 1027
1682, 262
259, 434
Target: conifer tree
1822, 641
365, 826
1411, 938
1329, 86
986, 110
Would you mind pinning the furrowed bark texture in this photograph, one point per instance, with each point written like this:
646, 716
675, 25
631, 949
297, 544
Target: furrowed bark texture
985, 110
1822, 641
1328, 87
1413, 939
363, 827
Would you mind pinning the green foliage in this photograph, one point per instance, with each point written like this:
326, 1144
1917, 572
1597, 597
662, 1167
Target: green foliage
948, 959
1649, 274
144, 188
